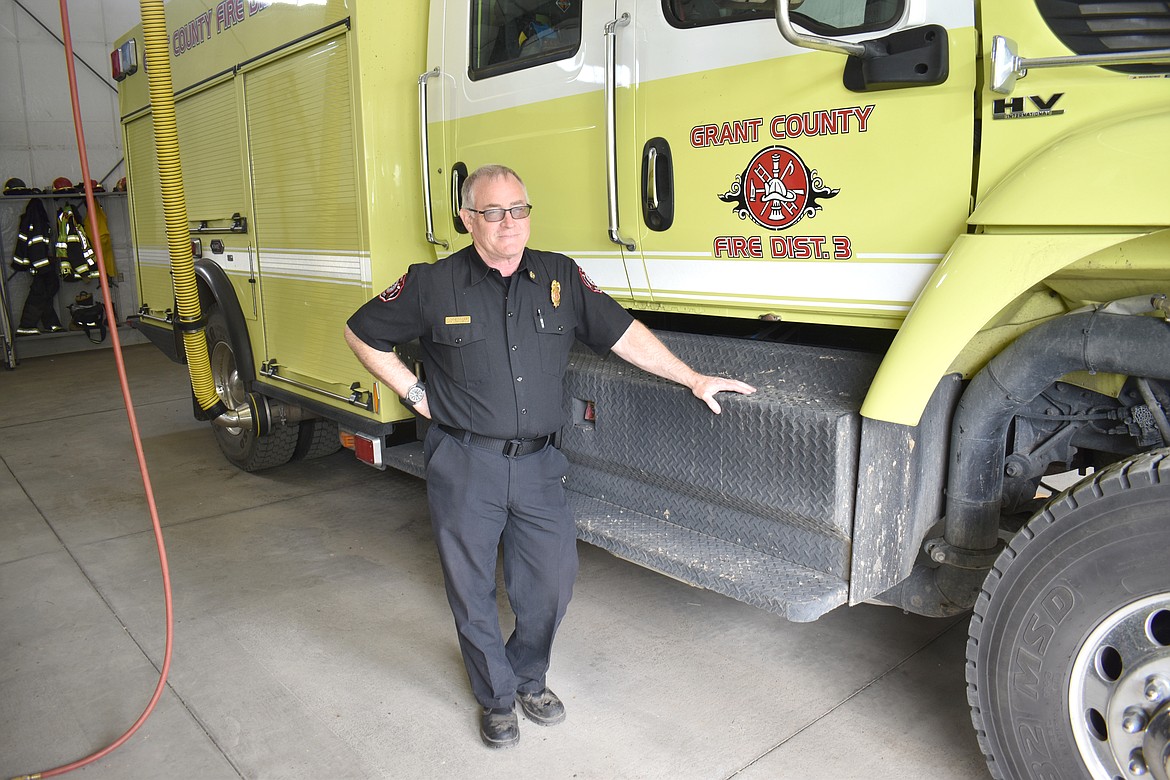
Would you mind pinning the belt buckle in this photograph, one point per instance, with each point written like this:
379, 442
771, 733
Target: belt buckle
512, 448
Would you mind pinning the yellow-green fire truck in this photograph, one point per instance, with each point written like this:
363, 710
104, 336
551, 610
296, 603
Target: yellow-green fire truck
933, 233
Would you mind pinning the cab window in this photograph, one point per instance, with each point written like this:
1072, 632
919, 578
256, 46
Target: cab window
508, 35
825, 17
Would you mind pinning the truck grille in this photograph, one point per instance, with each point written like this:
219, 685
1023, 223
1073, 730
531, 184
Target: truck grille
1111, 26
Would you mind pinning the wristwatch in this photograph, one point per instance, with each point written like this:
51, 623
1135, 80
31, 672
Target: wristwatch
415, 394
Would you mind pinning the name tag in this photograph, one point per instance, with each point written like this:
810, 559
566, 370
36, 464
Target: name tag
464, 320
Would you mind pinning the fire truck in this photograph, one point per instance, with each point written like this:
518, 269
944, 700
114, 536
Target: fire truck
933, 233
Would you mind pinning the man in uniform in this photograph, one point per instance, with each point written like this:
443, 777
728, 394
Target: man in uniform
496, 321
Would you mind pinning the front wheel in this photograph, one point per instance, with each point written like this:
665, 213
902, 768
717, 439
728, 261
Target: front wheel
241, 446
1068, 660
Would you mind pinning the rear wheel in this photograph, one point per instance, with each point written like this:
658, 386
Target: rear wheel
317, 438
1068, 663
242, 446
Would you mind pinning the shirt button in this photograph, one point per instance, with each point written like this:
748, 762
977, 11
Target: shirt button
519, 379
523, 411
514, 347
509, 314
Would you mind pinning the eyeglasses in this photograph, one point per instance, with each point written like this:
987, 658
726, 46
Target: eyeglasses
497, 215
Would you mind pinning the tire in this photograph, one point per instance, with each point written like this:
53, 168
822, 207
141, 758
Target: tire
1072, 622
241, 446
317, 438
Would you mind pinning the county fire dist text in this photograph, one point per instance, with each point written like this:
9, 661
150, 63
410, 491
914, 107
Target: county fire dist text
833, 121
784, 247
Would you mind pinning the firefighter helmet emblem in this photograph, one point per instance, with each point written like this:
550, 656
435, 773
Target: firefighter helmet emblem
777, 189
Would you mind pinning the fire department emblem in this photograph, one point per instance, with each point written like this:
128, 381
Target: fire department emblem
393, 291
777, 189
585, 280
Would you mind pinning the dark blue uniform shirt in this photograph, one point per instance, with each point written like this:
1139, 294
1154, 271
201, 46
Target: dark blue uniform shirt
495, 350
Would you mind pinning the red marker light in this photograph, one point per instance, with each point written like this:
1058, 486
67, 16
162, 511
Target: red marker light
124, 60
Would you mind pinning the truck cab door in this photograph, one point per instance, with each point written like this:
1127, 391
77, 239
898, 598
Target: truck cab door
521, 86
770, 180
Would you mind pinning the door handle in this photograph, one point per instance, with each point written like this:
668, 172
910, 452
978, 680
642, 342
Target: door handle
611, 129
652, 178
458, 176
657, 185
426, 155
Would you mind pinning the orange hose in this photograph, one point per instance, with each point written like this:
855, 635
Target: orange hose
117, 347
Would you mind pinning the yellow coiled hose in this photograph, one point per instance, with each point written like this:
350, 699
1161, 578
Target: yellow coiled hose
170, 169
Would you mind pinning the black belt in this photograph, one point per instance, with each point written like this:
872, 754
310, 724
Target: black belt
511, 448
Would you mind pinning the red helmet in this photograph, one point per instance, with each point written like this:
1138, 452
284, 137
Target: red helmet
62, 184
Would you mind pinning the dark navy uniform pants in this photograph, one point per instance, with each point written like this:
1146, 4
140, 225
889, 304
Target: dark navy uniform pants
38, 306
479, 500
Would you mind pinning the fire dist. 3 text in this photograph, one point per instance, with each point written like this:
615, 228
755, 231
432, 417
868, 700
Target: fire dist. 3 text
784, 247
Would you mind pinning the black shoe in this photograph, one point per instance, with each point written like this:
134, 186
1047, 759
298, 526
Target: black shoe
56, 329
498, 729
542, 707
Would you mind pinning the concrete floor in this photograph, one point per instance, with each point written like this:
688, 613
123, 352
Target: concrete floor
312, 637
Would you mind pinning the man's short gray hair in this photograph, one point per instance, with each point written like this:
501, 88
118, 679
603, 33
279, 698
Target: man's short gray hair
487, 173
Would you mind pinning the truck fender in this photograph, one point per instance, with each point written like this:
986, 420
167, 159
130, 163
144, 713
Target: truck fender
220, 292
1111, 173
979, 276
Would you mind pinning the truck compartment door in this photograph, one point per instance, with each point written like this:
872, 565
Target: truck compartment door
307, 222
155, 290
215, 187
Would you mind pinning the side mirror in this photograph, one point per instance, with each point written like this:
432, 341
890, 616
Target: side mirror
915, 57
1005, 65
806, 41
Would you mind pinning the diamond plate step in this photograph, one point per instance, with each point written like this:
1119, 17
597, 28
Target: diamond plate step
406, 457
776, 471
790, 590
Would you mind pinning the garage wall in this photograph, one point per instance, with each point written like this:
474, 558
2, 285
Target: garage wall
37, 141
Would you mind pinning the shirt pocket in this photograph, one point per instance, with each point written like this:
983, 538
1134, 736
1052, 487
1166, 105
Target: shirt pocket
554, 336
462, 352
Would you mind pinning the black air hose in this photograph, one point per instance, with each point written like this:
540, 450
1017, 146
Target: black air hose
1095, 342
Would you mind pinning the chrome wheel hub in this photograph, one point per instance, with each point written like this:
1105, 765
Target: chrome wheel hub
1119, 693
228, 385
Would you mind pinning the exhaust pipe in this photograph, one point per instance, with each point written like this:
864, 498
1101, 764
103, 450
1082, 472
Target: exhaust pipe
261, 414
1095, 341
